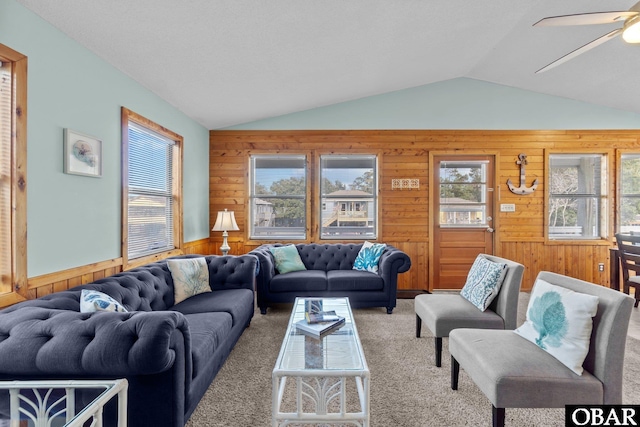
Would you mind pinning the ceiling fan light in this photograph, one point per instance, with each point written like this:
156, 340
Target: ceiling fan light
631, 33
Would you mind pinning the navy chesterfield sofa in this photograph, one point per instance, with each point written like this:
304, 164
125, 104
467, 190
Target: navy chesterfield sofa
168, 353
329, 272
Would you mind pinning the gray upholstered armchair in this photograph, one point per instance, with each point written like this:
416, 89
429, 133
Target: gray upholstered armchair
444, 312
514, 372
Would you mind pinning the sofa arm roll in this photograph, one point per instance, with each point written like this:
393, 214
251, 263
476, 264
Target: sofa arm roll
46, 342
393, 261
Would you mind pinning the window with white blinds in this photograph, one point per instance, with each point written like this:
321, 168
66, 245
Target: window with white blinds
5, 176
151, 184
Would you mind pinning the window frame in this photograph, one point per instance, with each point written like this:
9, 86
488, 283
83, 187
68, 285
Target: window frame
16, 290
252, 196
604, 200
176, 172
374, 195
619, 187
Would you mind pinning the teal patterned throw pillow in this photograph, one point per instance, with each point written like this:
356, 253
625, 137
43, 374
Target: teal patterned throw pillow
287, 259
483, 282
368, 257
559, 321
91, 301
190, 277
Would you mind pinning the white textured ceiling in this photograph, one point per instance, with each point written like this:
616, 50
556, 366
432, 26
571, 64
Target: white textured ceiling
234, 61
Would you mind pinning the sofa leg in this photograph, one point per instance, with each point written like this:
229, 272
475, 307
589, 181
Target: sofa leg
389, 310
455, 372
263, 310
498, 417
418, 326
438, 342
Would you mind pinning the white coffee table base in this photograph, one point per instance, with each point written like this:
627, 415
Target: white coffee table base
320, 392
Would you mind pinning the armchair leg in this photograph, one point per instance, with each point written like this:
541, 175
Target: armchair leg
498, 417
418, 326
438, 351
455, 372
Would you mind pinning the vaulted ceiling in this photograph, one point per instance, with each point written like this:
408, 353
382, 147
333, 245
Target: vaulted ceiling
235, 61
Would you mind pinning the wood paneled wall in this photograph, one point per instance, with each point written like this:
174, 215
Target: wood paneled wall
405, 219
45, 284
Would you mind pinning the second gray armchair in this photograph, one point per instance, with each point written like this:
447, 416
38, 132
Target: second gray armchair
444, 312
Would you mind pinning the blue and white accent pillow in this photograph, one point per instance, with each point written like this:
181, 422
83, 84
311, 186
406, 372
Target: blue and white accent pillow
190, 277
483, 282
92, 301
368, 257
559, 321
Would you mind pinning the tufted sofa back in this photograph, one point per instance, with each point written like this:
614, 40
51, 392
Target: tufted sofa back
336, 256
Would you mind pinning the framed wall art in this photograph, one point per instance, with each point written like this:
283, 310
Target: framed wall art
82, 154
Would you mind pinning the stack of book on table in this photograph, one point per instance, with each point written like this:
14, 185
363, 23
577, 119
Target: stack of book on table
320, 323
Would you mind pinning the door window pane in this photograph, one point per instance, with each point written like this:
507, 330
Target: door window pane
463, 189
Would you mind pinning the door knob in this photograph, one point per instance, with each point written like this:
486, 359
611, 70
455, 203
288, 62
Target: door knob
489, 230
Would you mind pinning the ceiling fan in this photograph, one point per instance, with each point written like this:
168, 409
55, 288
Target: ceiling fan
630, 29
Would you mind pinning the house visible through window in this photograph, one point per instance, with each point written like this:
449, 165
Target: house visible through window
629, 179
152, 177
278, 197
577, 196
349, 196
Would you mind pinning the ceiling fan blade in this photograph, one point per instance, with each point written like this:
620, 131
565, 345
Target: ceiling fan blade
586, 18
581, 50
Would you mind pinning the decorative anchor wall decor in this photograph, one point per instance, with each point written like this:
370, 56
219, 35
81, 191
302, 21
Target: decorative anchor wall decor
523, 189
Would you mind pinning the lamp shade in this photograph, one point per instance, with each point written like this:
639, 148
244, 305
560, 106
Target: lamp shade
225, 221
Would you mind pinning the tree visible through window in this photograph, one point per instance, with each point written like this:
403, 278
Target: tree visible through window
629, 179
576, 196
278, 197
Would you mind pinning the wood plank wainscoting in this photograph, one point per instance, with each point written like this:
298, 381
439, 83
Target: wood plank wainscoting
404, 215
45, 284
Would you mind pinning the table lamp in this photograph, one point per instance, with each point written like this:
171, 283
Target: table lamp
224, 222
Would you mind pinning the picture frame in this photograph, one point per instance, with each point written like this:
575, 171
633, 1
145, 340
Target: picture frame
82, 154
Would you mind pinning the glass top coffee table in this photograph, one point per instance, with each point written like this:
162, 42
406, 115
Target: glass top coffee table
329, 376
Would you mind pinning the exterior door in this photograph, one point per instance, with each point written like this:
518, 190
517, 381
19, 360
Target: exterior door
463, 209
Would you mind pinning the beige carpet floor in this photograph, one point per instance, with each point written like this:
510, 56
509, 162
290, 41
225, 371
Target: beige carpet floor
407, 390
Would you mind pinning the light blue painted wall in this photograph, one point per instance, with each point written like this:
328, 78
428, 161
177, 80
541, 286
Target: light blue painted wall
459, 103
75, 220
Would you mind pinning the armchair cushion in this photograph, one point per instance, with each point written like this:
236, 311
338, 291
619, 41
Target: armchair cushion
483, 282
368, 257
559, 321
190, 277
287, 259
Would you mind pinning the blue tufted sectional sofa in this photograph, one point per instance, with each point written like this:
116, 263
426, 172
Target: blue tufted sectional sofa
329, 272
168, 353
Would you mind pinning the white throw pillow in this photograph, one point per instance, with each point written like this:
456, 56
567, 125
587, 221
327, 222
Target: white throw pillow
368, 257
190, 277
92, 301
483, 282
559, 321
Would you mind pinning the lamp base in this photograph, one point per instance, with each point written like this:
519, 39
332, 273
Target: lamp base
225, 245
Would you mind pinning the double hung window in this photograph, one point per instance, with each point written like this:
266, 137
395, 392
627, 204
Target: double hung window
349, 202
278, 197
577, 196
629, 191
152, 184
